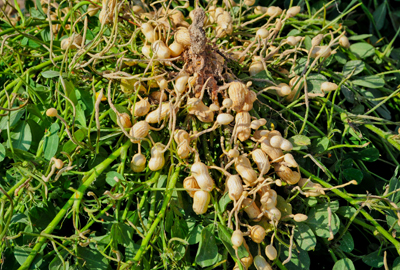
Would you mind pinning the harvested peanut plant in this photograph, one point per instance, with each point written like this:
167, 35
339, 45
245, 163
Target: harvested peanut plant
161, 135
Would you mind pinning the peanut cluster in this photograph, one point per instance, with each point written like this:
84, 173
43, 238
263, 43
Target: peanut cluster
189, 57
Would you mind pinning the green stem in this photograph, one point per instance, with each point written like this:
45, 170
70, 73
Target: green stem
168, 195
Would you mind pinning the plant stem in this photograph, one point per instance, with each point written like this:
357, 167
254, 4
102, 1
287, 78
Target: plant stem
168, 195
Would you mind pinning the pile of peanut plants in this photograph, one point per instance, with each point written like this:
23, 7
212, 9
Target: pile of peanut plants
197, 135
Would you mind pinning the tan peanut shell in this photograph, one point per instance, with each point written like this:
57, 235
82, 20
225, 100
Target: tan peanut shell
139, 130
201, 200
261, 159
243, 167
251, 209
200, 171
261, 264
286, 174
272, 152
243, 120
235, 187
198, 108
155, 96
152, 117
190, 183
141, 108
257, 234
157, 159
237, 93
138, 163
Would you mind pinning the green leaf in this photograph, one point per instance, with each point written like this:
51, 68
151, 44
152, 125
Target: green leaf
223, 202
370, 81
344, 264
207, 253
50, 74
92, 258
56, 263
346, 242
321, 145
194, 235
70, 146
21, 253
362, 49
318, 220
299, 260
356, 65
369, 155
304, 237
70, 91
380, 16
300, 142
225, 235
50, 144
283, 206
110, 178
373, 259
353, 174
2, 152
122, 233
14, 118
394, 184
396, 264
19, 218
346, 211
21, 136
314, 82
348, 94
360, 37
80, 115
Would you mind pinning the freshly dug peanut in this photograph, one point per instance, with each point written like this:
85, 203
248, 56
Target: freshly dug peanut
161, 50
274, 214
141, 108
152, 117
286, 174
271, 252
237, 238
140, 130
251, 209
237, 93
190, 183
138, 163
184, 149
293, 11
300, 217
155, 96
344, 42
243, 167
257, 234
243, 120
198, 108
261, 159
125, 120
235, 187
224, 119
249, 101
200, 172
290, 161
71, 42
269, 200
157, 159
148, 32
272, 152
182, 36
201, 200
316, 189
261, 264
256, 124
180, 83
256, 66
327, 87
